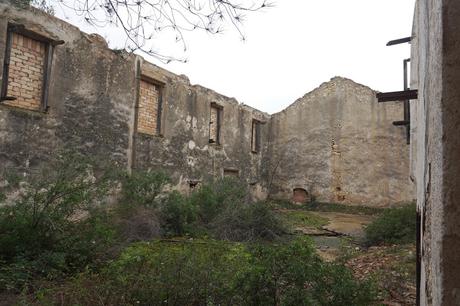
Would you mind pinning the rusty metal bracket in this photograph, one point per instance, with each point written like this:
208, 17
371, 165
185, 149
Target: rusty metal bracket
399, 41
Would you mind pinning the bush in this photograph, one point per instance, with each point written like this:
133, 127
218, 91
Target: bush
53, 229
143, 187
247, 222
209, 200
396, 225
137, 224
177, 215
206, 272
292, 274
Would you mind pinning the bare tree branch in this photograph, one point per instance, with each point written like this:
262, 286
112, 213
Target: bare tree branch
142, 21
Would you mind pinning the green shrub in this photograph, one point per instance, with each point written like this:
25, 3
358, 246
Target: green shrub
143, 187
138, 223
292, 274
207, 272
53, 229
209, 200
247, 222
396, 225
177, 215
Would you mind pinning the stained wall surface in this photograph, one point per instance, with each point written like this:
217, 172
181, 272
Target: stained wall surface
336, 143
435, 151
101, 103
340, 145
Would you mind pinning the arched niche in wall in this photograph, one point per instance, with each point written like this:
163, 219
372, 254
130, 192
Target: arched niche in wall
300, 195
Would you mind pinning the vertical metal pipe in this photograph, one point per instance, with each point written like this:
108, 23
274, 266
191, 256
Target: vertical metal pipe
406, 103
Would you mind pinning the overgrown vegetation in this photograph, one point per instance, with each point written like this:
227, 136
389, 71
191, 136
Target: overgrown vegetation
39, 236
395, 225
209, 272
215, 247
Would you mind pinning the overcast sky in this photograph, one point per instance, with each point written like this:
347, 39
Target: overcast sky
294, 47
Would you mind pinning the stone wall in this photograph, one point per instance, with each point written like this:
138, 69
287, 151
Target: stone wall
184, 147
435, 166
340, 145
335, 143
120, 108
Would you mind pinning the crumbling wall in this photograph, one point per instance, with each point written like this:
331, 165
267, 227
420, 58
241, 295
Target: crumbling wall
339, 144
90, 100
335, 143
95, 107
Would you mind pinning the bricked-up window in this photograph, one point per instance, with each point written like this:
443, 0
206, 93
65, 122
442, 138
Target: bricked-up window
149, 116
255, 136
215, 120
25, 71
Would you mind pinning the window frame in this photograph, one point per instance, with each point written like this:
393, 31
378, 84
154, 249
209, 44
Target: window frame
219, 109
47, 63
160, 85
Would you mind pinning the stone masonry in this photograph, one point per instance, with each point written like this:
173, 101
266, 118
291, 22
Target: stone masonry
435, 147
335, 144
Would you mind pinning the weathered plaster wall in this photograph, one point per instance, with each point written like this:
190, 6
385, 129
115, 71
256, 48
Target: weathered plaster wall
436, 146
90, 100
339, 144
183, 148
336, 142
92, 109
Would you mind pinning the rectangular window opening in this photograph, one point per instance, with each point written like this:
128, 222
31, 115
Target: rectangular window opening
231, 173
255, 136
150, 107
26, 70
215, 121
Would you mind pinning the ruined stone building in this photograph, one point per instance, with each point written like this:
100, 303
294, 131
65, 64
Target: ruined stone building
64, 89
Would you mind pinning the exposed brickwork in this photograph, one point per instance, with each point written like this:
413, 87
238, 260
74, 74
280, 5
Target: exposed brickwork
148, 108
26, 71
213, 125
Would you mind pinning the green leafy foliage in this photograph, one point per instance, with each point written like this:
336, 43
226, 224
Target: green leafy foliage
208, 272
142, 188
53, 229
209, 200
396, 225
59, 231
177, 215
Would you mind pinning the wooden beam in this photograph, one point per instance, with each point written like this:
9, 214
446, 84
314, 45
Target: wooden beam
397, 95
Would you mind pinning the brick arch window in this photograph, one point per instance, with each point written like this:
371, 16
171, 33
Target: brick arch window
26, 69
